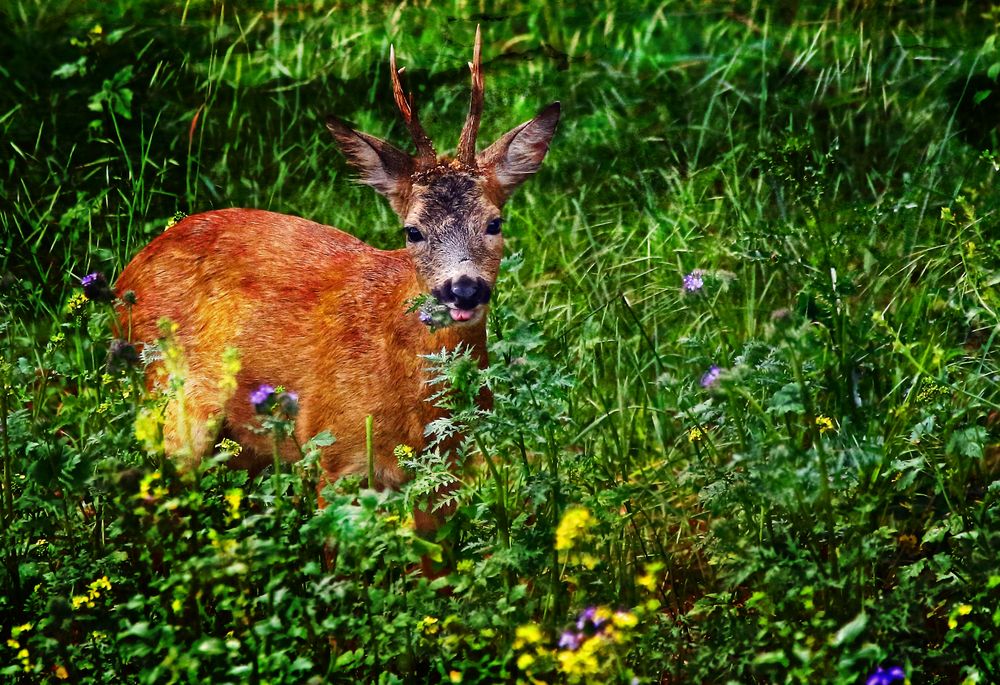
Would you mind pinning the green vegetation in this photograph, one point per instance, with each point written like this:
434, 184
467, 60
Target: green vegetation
823, 504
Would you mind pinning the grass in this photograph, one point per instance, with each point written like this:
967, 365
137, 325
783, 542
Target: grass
826, 508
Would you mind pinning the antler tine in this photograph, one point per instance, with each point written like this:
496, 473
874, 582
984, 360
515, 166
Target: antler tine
426, 156
467, 143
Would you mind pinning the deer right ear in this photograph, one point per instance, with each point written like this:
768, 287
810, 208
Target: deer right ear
384, 167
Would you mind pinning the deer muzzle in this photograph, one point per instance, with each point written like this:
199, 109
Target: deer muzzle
463, 295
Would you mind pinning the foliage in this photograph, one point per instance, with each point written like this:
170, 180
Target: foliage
746, 422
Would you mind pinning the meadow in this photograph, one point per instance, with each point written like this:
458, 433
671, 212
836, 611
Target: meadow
747, 418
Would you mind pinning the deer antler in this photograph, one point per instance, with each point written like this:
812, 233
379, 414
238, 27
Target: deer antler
426, 156
467, 143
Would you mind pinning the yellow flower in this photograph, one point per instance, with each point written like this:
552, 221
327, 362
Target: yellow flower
402, 452
13, 644
428, 624
231, 446
575, 524
61, 672
529, 634
455, 676
524, 661
964, 609
824, 424
82, 601
233, 497
624, 619
23, 654
75, 303
149, 428
101, 583
147, 491
695, 434
24, 627
230, 367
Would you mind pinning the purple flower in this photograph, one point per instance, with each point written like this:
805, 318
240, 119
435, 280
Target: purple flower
711, 376
122, 355
590, 618
288, 402
95, 287
693, 282
426, 318
262, 398
569, 640
886, 676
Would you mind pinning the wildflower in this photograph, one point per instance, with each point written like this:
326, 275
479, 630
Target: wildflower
23, 628
529, 634
76, 303
647, 581
593, 619
428, 625
695, 434
262, 398
288, 404
81, 601
147, 491
624, 619
886, 676
694, 282
524, 661
149, 428
455, 676
233, 499
964, 609
129, 298
426, 318
231, 446
95, 287
230, 367
711, 376
94, 589
402, 452
178, 216
824, 423
575, 523
569, 640
60, 672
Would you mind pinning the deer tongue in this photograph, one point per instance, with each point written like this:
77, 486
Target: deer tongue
461, 314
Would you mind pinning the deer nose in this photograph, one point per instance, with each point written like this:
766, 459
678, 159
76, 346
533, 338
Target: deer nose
467, 293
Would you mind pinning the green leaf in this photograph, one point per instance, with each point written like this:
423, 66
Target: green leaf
968, 442
787, 400
849, 632
981, 95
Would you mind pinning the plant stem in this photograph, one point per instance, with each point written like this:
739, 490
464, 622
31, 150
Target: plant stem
370, 451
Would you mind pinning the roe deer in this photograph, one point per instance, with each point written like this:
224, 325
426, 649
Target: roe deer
324, 314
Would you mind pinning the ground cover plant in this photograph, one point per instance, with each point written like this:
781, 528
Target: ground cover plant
746, 416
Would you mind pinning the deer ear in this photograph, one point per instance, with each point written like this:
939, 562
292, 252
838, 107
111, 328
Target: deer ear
519, 152
384, 167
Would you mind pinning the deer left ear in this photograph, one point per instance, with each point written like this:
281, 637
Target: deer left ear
519, 152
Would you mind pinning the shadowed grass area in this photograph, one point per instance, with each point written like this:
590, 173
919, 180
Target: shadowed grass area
823, 506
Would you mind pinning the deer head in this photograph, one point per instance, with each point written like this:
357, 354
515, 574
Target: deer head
451, 208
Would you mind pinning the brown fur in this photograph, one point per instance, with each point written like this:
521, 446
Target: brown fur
309, 308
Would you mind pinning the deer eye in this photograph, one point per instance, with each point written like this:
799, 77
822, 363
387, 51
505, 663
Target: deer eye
493, 227
413, 234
